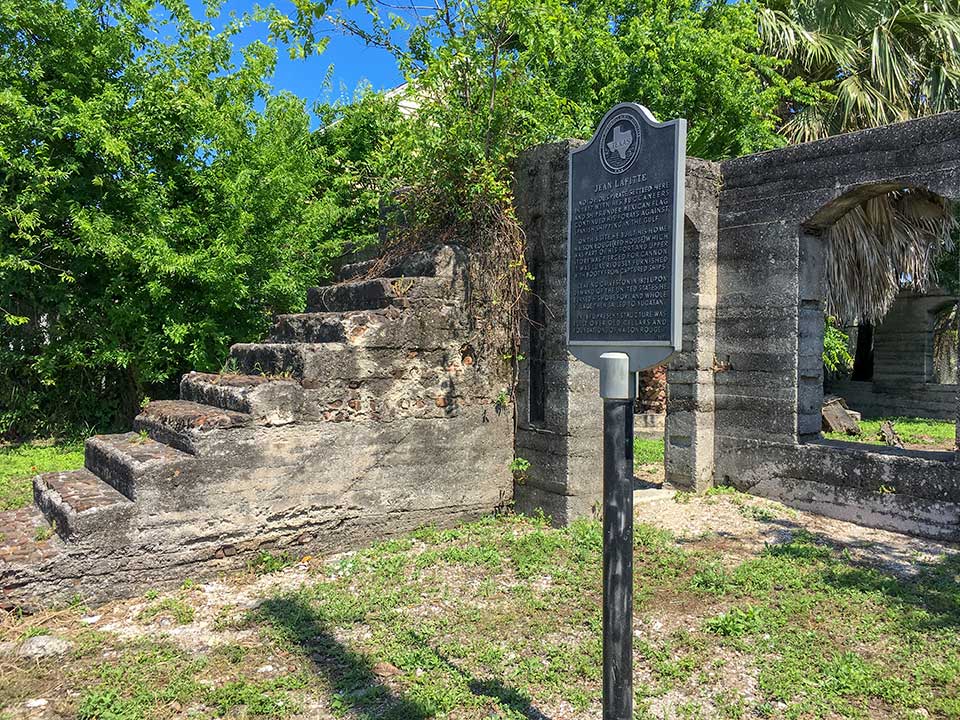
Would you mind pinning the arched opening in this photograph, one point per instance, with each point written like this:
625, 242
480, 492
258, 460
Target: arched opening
876, 329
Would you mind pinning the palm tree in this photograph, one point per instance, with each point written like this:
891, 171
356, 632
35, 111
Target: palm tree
873, 62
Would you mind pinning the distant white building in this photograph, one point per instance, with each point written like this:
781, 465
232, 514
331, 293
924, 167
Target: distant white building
407, 103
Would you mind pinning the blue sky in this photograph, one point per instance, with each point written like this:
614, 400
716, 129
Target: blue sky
353, 62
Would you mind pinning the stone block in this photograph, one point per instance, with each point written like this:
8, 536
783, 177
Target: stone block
268, 401
379, 293
134, 465
187, 426
80, 506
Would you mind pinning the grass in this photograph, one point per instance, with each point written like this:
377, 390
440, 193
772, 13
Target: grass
266, 562
913, 431
18, 465
502, 618
169, 607
647, 451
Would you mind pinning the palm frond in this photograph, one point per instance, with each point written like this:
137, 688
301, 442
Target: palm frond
885, 60
891, 66
788, 38
886, 243
809, 123
861, 104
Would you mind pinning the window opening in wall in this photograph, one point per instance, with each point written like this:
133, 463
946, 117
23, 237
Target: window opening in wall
537, 360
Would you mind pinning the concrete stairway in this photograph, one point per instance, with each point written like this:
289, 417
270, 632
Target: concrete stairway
360, 418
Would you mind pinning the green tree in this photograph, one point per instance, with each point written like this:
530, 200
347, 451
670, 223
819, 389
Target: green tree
700, 61
836, 344
491, 78
150, 213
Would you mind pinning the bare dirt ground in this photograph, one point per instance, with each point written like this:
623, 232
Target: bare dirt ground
742, 534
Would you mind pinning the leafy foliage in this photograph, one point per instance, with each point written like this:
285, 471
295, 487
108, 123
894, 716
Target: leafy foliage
948, 269
836, 352
150, 213
491, 78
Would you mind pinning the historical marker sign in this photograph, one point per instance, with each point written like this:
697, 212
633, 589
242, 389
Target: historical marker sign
624, 296
625, 241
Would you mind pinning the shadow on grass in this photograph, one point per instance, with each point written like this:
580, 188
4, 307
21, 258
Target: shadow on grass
929, 601
925, 596
358, 690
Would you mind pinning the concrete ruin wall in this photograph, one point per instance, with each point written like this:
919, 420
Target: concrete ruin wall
876, 399
904, 382
562, 443
774, 208
362, 418
903, 341
744, 396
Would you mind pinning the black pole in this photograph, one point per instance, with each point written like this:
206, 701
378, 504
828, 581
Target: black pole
617, 559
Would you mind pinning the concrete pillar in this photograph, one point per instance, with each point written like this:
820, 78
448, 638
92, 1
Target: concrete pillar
562, 438
811, 314
690, 376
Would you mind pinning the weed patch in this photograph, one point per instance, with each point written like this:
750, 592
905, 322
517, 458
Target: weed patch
171, 607
648, 451
913, 431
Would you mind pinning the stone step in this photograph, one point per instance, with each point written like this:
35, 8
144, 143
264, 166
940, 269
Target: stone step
188, 426
387, 328
130, 461
315, 327
437, 261
422, 292
26, 538
343, 382
82, 507
268, 401
318, 365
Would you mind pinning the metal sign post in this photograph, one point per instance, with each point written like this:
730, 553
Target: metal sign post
618, 390
624, 301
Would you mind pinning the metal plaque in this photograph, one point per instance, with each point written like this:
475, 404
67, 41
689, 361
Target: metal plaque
625, 239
